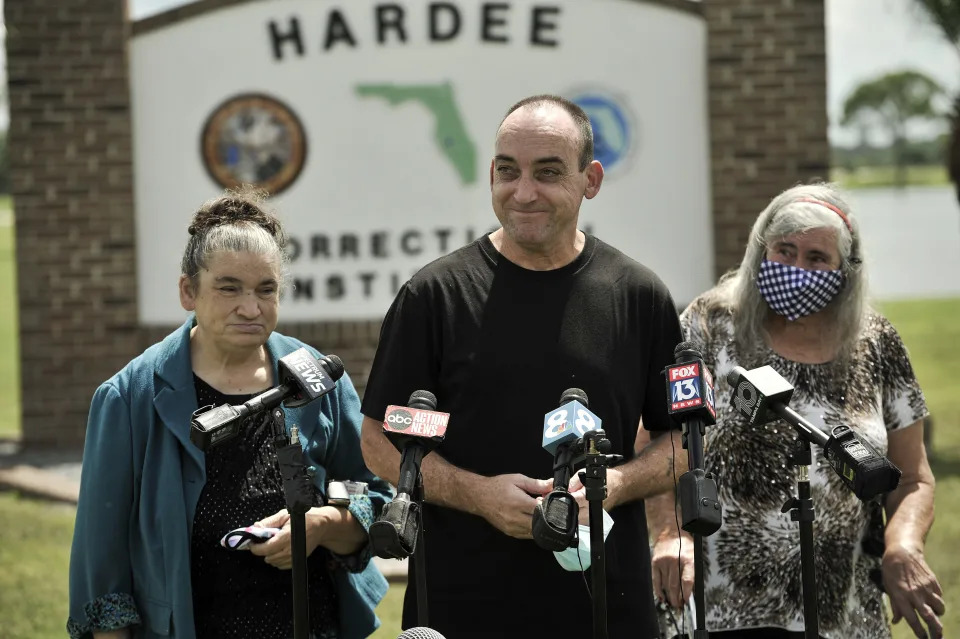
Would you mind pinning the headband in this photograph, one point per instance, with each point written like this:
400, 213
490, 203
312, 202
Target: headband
833, 208
854, 258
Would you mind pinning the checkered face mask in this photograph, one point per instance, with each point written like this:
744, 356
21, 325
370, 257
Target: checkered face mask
795, 292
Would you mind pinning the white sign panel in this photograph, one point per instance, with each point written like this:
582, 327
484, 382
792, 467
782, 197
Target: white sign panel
374, 123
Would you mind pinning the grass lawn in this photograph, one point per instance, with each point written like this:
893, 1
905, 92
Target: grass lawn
879, 176
34, 554
390, 612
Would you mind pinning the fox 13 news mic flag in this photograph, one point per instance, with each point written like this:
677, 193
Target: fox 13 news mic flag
690, 386
415, 430
555, 517
303, 378
761, 395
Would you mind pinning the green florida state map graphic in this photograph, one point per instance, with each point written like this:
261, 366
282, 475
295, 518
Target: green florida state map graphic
449, 133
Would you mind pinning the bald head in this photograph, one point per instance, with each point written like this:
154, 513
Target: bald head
561, 115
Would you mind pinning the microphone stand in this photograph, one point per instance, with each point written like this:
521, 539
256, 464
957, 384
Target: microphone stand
700, 505
398, 532
802, 511
597, 447
410, 460
298, 492
419, 559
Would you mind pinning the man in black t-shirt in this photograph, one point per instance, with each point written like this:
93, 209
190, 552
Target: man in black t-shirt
497, 331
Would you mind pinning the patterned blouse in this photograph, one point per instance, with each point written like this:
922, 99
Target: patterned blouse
753, 561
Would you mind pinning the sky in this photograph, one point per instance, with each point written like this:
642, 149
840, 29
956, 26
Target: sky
865, 39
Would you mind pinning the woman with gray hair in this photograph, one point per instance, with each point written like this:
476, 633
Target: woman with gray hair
798, 303
160, 547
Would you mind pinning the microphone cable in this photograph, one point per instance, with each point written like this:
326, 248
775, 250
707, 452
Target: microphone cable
676, 518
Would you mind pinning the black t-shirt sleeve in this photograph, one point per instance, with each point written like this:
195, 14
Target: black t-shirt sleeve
665, 334
407, 358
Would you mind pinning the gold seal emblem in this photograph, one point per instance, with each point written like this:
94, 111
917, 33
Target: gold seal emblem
253, 139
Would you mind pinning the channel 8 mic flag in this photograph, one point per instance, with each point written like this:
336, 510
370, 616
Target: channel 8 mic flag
690, 386
566, 424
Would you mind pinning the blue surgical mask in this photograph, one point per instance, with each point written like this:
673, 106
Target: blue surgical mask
572, 558
795, 292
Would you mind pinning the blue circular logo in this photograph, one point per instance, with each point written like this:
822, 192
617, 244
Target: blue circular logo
611, 128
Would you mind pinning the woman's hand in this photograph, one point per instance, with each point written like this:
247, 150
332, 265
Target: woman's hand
915, 595
914, 591
333, 528
276, 550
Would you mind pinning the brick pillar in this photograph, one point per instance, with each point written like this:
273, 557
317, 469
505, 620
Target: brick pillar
70, 162
768, 109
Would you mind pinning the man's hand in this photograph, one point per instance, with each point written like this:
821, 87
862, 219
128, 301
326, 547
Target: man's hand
669, 577
579, 492
914, 591
507, 502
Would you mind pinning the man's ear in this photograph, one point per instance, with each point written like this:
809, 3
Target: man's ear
594, 179
188, 296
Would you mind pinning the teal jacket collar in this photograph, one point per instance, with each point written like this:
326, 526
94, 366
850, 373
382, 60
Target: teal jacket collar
176, 400
176, 397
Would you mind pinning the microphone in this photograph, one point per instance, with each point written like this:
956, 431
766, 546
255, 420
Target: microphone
415, 430
420, 633
691, 403
569, 422
303, 378
555, 518
690, 387
761, 395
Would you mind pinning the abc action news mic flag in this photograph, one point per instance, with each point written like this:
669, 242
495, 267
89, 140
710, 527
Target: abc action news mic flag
417, 423
303, 378
761, 395
415, 430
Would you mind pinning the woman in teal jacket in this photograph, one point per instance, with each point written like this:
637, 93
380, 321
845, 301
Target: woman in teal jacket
146, 559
